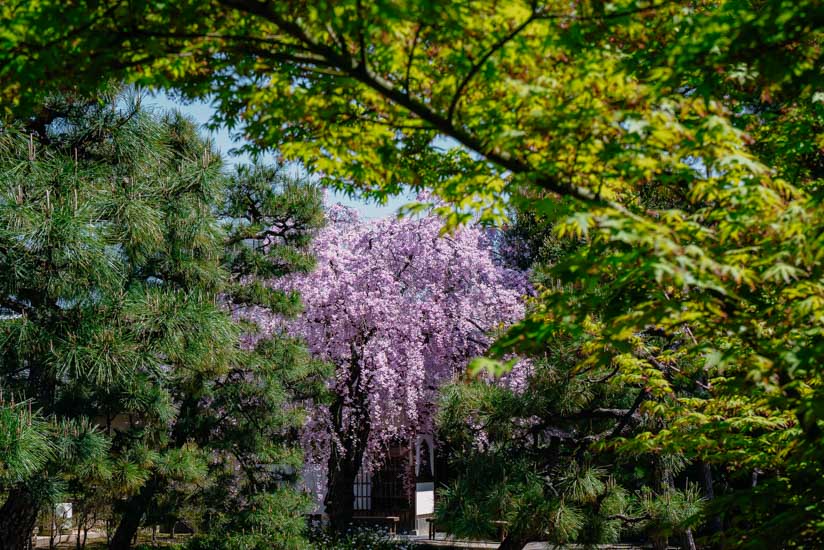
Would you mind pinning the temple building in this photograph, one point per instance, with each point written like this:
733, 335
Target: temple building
400, 494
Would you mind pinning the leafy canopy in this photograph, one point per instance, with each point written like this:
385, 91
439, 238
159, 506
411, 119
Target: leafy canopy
714, 105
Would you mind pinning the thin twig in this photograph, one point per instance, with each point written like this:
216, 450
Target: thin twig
411, 58
482, 61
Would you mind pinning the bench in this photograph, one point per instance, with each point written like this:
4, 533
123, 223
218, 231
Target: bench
502, 527
430, 523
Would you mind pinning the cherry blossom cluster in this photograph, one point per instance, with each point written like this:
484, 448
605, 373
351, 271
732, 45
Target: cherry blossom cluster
399, 308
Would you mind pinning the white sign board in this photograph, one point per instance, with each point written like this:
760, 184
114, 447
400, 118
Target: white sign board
424, 498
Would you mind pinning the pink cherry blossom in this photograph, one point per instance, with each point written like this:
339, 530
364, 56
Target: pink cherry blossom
399, 309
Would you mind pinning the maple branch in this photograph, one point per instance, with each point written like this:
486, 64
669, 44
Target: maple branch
482, 61
379, 84
534, 16
361, 33
307, 60
605, 378
642, 395
388, 123
411, 58
335, 38
213, 36
74, 32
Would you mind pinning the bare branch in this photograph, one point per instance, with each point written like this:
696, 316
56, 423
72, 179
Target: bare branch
642, 395
664, 368
605, 378
628, 519
13, 304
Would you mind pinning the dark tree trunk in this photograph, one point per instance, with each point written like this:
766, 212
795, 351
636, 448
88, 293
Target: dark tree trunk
136, 507
343, 466
17, 517
19, 512
128, 526
513, 542
126, 533
715, 525
664, 482
340, 495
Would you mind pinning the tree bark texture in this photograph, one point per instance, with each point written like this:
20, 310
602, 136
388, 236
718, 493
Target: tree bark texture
513, 542
136, 507
340, 495
353, 434
17, 517
715, 525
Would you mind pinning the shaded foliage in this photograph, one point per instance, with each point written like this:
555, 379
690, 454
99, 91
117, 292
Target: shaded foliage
121, 238
715, 105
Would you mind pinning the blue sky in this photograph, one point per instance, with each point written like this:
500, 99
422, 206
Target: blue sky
202, 112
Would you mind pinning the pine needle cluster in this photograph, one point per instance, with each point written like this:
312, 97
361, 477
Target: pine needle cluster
126, 251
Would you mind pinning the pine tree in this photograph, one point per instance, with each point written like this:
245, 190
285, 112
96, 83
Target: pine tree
120, 267
536, 457
254, 413
596, 102
541, 455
